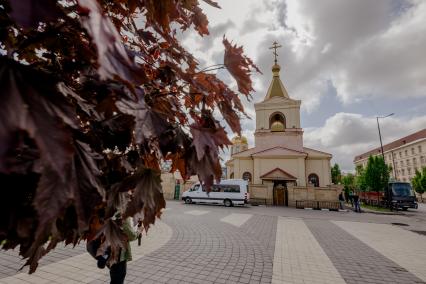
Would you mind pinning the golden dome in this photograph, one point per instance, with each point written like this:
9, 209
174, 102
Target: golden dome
277, 126
239, 140
276, 70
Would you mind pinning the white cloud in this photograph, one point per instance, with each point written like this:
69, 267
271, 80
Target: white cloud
367, 50
346, 135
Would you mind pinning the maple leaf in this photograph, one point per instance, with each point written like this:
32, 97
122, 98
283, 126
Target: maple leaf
113, 238
88, 190
37, 109
212, 3
147, 197
239, 66
90, 117
200, 21
113, 58
230, 116
29, 13
205, 161
148, 124
207, 138
78, 186
207, 169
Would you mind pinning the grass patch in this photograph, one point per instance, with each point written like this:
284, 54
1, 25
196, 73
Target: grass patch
375, 208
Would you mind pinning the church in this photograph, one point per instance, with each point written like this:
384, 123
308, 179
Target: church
279, 168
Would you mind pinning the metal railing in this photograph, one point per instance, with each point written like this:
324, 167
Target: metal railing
318, 205
257, 201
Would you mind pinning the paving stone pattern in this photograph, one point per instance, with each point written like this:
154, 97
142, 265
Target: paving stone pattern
356, 261
11, 262
203, 250
212, 244
299, 258
264, 229
405, 248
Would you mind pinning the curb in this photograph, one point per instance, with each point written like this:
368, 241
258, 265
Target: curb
364, 210
324, 209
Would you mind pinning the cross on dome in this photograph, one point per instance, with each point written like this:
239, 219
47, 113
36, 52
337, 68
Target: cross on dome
275, 46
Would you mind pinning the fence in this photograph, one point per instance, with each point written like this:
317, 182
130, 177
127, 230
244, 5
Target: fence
318, 205
258, 201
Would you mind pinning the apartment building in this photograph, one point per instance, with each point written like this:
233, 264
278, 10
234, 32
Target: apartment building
405, 155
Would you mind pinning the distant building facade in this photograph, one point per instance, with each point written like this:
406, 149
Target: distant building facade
404, 156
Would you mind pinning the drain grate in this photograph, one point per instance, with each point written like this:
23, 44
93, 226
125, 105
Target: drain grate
400, 224
420, 232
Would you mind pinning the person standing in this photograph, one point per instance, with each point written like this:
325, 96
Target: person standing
351, 198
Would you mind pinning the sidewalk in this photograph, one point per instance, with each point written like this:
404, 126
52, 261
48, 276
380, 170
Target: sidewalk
366, 210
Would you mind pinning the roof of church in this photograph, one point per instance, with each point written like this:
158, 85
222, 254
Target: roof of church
279, 151
276, 88
311, 151
278, 174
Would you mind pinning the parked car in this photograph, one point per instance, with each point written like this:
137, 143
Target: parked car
228, 192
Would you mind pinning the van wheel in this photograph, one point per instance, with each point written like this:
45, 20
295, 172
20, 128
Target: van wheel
227, 203
188, 200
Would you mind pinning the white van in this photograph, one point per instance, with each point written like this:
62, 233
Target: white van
228, 192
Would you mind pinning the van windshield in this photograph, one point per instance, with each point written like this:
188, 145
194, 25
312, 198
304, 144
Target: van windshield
195, 187
402, 189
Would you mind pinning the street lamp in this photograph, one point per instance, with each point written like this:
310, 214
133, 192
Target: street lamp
380, 135
383, 154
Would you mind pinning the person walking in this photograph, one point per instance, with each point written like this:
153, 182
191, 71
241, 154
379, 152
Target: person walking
342, 201
118, 270
356, 203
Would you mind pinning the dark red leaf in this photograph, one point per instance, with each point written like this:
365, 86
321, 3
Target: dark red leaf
147, 197
239, 66
113, 58
29, 13
34, 106
148, 124
212, 3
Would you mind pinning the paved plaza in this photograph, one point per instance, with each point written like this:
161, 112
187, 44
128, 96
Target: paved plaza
214, 244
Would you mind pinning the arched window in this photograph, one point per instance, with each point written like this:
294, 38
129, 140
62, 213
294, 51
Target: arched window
247, 176
313, 178
277, 122
231, 176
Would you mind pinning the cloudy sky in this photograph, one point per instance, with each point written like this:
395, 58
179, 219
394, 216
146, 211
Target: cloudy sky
348, 61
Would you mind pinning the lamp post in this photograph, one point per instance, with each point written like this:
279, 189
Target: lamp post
383, 155
380, 135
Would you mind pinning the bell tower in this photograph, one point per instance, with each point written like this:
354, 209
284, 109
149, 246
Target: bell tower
278, 116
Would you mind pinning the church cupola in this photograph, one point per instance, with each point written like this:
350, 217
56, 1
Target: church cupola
278, 115
239, 144
276, 88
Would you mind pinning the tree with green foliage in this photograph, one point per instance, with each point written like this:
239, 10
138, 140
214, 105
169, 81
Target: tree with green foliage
336, 174
360, 179
376, 174
348, 182
419, 182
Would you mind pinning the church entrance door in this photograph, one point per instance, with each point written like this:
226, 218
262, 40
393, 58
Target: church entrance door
280, 193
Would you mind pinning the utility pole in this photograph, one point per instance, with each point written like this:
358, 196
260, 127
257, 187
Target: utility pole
380, 135
383, 155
